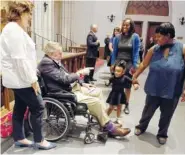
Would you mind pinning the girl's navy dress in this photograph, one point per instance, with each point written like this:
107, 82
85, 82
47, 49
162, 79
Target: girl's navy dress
117, 95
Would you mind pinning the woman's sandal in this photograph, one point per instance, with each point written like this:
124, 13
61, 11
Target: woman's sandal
19, 144
50, 146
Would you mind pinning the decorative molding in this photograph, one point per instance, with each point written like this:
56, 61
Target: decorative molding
157, 8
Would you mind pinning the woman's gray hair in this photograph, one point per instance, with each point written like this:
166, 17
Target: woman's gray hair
52, 47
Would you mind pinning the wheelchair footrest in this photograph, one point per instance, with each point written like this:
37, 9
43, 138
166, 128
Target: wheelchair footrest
103, 136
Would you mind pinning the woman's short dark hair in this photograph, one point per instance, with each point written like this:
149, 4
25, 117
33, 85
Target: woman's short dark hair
116, 29
132, 26
167, 28
17, 8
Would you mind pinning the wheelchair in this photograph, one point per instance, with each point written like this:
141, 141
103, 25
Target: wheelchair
59, 116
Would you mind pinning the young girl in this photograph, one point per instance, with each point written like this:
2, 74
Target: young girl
117, 96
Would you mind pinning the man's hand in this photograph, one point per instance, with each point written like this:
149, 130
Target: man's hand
183, 96
97, 41
35, 87
84, 71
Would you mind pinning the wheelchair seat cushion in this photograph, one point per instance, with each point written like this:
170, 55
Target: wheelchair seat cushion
63, 95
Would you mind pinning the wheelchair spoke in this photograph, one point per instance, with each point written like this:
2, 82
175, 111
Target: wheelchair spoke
54, 128
48, 130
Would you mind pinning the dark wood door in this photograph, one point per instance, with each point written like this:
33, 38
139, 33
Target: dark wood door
151, 31
138, 27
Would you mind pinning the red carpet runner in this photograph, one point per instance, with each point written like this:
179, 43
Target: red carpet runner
99, 63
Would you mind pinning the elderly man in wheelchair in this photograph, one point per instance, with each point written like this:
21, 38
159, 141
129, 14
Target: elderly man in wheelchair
66, 96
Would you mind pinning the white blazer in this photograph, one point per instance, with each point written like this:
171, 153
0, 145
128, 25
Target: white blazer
19, 62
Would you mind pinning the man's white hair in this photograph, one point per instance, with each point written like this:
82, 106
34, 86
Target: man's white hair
52, 47
93, 26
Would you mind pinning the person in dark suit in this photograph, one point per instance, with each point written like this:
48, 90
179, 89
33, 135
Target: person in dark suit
92, 52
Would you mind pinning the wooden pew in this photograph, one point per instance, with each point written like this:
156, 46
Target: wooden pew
77, 49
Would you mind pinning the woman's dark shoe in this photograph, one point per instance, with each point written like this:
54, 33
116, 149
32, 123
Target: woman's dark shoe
162, 140
19, 144
50, 146
138, 131
126, 110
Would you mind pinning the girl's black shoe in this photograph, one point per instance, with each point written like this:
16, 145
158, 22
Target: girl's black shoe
126, 110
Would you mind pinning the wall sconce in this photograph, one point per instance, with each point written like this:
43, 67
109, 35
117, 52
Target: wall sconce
45, 6
111, 18
182, 21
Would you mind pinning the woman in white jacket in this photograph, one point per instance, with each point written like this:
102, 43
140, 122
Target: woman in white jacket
19, 66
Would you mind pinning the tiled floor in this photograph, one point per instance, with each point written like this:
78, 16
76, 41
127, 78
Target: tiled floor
145, 144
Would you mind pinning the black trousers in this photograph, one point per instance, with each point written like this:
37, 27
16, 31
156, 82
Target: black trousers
90, 62
167, 108
26, 97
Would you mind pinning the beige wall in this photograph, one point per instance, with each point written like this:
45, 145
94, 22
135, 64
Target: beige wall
3, 5
57, 17
88, 12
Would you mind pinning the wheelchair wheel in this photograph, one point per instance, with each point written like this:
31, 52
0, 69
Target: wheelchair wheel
56, 120
89, 138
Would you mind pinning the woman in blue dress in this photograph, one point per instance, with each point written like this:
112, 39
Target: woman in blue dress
164, 84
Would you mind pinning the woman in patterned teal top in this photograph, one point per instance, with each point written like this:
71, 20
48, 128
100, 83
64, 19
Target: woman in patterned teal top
164, 84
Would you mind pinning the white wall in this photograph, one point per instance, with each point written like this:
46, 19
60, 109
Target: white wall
66, 18
44, 21
179, 11
83, 17
57, 17
96, 12
43, 24
104, 9
81, 14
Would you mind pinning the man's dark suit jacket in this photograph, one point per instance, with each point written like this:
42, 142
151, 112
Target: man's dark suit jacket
55, 76
92, 46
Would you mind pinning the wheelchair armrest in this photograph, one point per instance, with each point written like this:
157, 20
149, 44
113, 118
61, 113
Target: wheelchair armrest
63, 95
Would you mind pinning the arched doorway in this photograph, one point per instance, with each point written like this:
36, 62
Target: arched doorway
150, 13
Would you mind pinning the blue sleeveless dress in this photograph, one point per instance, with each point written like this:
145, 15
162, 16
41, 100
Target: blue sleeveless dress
166, 75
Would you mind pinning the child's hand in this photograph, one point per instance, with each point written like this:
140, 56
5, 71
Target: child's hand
136, 86
132, 71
